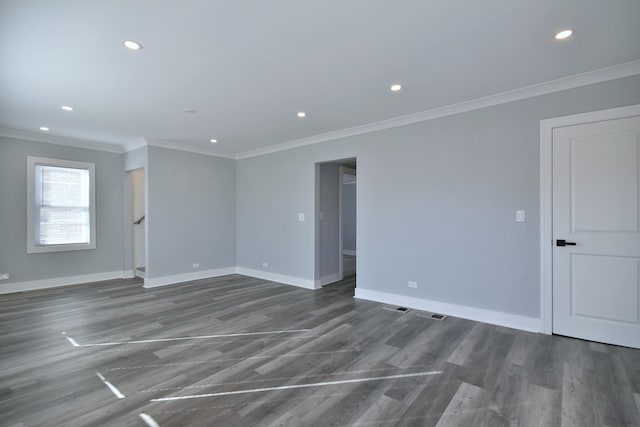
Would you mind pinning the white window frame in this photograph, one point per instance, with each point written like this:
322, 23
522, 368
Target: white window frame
32, 248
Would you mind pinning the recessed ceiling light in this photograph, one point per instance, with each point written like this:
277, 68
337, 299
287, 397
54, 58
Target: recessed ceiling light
564, 34
302, 114
67, 108
44, 128
396, 87
213, 141
132, 44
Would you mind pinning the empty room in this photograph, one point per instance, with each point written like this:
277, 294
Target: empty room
319, 213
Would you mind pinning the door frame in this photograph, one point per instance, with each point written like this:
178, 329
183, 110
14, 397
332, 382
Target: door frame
342, 171
316, 256
546, 193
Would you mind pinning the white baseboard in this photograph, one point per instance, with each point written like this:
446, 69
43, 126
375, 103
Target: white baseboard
57, 282
128, 274
348, 252
331, 278
281, 278
187, 277
531, 324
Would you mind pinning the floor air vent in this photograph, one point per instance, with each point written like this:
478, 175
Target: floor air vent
433, 316
398, 309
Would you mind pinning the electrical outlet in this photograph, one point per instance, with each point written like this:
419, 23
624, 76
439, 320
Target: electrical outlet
519, 216
301, 217
4, 276
195, 265
413, 284
265, 264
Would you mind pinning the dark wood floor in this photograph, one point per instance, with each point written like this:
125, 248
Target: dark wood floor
326, 359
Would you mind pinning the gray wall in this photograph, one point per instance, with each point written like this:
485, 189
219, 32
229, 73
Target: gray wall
436, 202
329, 226
107, 256
191, 205
267, 215
349, 217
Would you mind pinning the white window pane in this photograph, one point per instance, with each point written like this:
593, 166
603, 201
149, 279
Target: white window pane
62, 186
62, 205
62, 226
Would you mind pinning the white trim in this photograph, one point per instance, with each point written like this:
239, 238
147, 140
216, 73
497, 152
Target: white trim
564, 83
61, 140
348, 252
185, 146
546, 189
34, 285
531, 324
280, 278
331, 278
32, 210
128, 274
187, 277
577, 80
134, 144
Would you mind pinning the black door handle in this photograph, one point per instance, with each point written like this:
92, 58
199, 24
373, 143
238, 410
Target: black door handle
562, 242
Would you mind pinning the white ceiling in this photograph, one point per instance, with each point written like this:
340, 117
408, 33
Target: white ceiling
248, 66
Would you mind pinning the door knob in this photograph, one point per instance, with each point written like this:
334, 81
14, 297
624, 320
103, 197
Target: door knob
562, 242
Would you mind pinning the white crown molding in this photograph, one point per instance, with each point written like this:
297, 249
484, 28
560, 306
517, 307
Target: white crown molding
531, 324
134, 144
61, 140
56, 282
570, 82
178, 145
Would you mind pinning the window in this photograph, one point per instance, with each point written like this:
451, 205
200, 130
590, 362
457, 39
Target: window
61, 205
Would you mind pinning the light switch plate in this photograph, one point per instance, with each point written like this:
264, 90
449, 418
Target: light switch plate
519, 216
300, 217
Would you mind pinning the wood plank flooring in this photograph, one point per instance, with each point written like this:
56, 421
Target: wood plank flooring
238, 351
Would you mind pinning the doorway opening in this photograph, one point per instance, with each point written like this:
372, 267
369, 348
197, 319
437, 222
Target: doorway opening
139, 227
590, 245
336, 223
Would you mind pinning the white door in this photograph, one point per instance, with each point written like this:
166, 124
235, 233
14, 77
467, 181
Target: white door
596, 282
